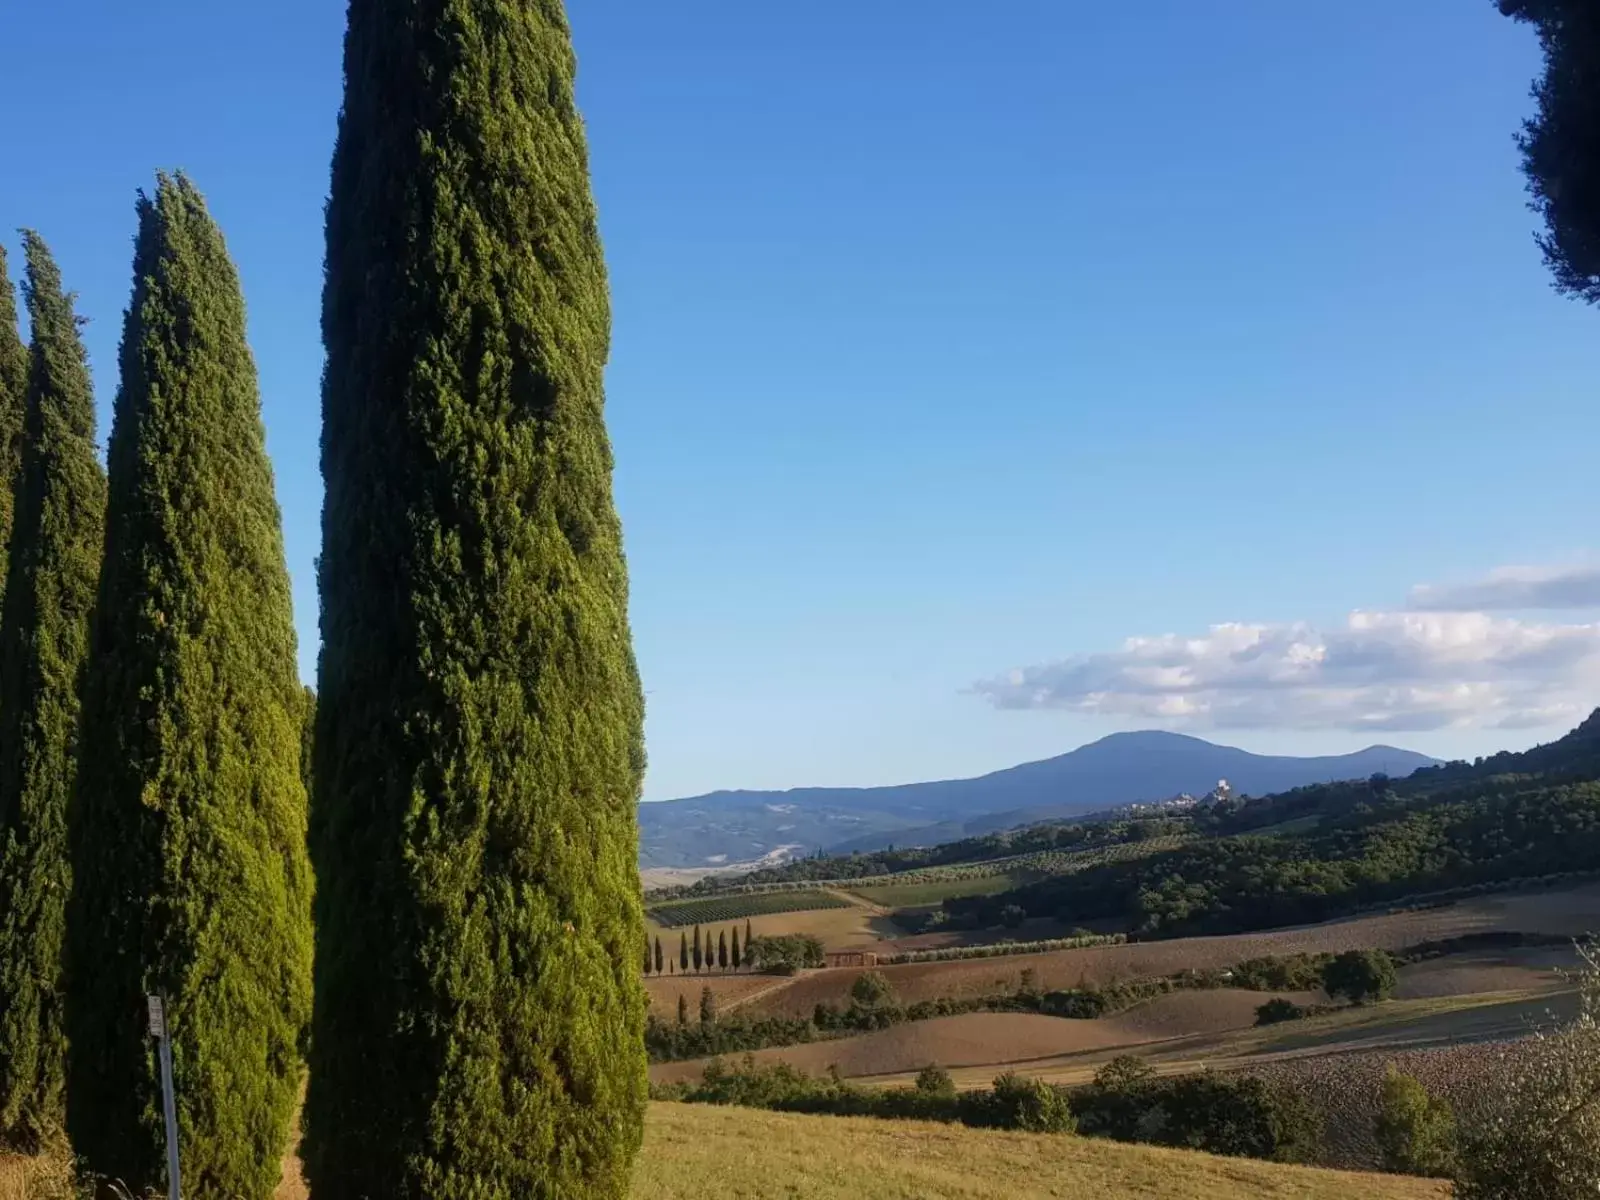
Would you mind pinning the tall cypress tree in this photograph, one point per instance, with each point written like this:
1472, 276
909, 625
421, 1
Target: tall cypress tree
699, 955
659, 959
479, 1017
683, 951
722, 949
188, 837
737, 958
44, 635
13, 389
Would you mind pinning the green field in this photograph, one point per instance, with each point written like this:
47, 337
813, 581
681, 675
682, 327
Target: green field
737, 908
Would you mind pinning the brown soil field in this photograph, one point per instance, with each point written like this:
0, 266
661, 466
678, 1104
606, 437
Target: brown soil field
1345, 1087
1571, 912
731, 991
1005, 1039
1462, 974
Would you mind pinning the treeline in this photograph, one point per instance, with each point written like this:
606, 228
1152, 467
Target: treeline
153, 809
1082, 835
700, 955
1236, 1115
1385, 849
477, 742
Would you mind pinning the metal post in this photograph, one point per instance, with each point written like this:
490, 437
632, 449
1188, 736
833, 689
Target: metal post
169, 1104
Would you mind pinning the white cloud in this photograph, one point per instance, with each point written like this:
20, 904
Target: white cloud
1514, 588
1380, 671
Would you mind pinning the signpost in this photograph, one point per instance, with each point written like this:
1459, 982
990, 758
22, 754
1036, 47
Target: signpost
158, 1030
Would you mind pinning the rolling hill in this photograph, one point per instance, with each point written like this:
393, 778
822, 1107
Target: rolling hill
1125, 768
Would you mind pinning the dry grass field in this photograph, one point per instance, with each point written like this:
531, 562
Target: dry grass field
702, 1152
836, 928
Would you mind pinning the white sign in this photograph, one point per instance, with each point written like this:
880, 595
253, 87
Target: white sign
158, 1017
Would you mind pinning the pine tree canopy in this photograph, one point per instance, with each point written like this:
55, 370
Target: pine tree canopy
44, 632
188, 839
13, 390
479, 1021
1561, 142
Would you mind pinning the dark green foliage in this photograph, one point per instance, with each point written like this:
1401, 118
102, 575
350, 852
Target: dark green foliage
308, 737
1360, 975
1510, 817
1012, 916
722, 950
738, 956
783, 954
44, 638
699, 956
479, 1027
1220, 1114
189, 826
683, 951
1274, 1012
647, 959
871, 989
1280, 972
13, 393
659, 959
708, 1006
1416, 1131
683, 1011
1561, 143
1032, 1105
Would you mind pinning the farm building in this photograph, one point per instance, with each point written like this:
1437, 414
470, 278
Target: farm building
851, 958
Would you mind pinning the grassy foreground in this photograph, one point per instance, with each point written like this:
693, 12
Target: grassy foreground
690, 1148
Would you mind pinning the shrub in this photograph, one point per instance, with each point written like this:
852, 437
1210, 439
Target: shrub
1360, 975
1416, 1131
935, 1081
1018, 1102
1275, 1011
1013, 915
1543, 1139
783, 954
871, 989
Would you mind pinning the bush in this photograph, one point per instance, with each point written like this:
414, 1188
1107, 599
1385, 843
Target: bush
871, 990
1360, 975
783, 954
1275, 1011
935, 1081
1281, 973
1543, 1139
1416, 1131
1012, 916
1017, 1102
1220, 1114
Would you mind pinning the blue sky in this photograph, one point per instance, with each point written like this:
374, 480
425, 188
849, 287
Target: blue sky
955, 347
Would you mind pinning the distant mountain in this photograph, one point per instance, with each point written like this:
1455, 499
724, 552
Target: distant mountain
1125, 768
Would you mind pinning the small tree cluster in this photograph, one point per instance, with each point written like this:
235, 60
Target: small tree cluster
1362, 976
1416, 1131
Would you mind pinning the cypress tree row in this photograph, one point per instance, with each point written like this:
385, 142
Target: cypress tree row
13, 389
44, 635
188, 839
479, 1021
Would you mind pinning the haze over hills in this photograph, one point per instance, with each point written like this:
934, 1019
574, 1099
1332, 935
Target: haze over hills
1124, 768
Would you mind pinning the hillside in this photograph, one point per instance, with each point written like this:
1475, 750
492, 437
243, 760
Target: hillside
688, 1154
1124, 768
